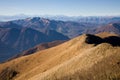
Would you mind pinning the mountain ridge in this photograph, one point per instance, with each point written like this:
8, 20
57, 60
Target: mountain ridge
22, 39
111, 28
61, 61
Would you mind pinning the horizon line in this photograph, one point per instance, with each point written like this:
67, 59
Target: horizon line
48, 15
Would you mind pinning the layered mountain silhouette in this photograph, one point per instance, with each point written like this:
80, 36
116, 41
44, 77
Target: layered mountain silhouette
68, 28
23, 34
77, 59
22, 39
88, 19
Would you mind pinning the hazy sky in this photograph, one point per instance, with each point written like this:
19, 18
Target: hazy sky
60, 7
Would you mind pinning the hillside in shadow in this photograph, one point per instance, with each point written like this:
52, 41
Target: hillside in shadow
113, 40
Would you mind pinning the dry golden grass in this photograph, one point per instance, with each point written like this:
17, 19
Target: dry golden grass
72, 60
94, 64
105, 34
31, 65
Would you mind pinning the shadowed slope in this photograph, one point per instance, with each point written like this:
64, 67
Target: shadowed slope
22, 39
4, 51
8, 74
113, 40
92, 39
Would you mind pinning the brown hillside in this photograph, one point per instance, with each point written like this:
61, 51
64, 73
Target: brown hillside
74, 60
94, 64
106, 34
38, 48
111, 28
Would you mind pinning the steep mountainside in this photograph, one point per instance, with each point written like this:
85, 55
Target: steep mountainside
6, 51
87, 57
24, 38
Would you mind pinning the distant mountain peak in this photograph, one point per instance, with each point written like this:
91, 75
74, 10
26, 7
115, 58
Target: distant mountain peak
112, 28
37, 19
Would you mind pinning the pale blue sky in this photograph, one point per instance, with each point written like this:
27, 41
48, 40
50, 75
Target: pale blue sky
60, 7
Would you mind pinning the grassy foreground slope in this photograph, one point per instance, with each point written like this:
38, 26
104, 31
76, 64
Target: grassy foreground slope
76, 59
31, 65
99, 63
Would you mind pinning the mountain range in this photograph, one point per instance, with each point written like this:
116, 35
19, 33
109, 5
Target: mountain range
44, 49
68, 28
22, 38
20, 35
88, 19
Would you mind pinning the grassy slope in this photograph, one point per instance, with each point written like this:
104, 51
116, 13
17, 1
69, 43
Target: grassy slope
31, 65
99, 63
72, 60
